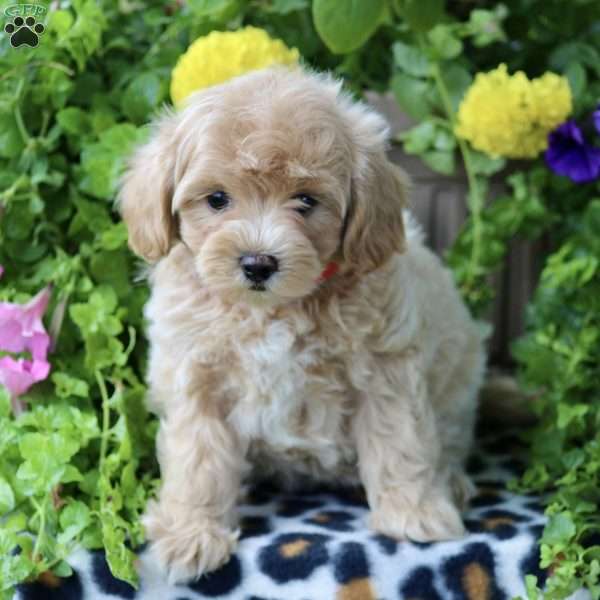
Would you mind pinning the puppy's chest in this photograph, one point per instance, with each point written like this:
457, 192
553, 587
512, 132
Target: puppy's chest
293, 401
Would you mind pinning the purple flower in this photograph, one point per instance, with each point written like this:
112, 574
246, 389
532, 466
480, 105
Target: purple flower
568, 153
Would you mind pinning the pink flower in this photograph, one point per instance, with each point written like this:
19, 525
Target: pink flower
21, 326
18, 375
22, 330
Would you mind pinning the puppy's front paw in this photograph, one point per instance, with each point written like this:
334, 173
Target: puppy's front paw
436, 518
184, 544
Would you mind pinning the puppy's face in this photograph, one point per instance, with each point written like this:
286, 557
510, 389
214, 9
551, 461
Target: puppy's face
266, 180
261, 204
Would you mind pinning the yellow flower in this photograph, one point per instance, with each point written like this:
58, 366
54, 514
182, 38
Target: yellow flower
510, 115
221, 55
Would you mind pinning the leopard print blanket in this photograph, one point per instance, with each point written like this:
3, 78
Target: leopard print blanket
315, 546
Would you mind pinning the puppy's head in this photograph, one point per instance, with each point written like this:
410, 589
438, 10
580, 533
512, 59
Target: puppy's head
267, 179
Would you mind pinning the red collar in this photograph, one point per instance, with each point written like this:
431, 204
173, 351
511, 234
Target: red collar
328, 272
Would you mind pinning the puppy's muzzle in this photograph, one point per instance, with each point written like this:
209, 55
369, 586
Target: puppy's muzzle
258, 268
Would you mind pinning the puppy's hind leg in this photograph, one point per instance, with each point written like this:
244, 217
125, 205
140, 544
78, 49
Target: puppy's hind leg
456, 410
399, 451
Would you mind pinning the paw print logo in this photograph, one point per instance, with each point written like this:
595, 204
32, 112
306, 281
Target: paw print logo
24, 32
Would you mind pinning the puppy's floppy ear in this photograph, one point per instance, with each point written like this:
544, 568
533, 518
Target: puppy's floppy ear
373, 227
146, 192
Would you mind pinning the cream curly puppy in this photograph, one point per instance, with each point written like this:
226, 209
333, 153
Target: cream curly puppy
298, 325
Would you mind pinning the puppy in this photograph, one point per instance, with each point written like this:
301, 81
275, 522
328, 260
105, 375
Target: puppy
297, 322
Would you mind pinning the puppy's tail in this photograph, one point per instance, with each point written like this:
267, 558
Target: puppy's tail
503, 402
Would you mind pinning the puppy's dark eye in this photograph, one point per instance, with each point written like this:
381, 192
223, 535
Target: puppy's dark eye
307, 204
218, 200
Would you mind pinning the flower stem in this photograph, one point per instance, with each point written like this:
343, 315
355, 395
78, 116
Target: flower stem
18, 406
18, 116
105, 420
38, 63
475, 197
41, 511
9, 193
103, 439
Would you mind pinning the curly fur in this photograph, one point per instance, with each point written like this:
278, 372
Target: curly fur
370, 376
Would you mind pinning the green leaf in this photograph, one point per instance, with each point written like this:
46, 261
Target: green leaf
14, 568
284, 7
569, 413
575, 73
74, 518
104, 299
434, 143
95, 315
457, 80
15, 522
218, 10
133, 408
115, 237
104, 351
345, 25
484, 164
533, 592
444, 140
8, 434
111, 268
141, 97
93, 214
89, 484
422, 15
11, 141
440, 161
84, 36
419, 138
573, 52
411, 94
73, 120
444, 43
7, 497
66, 385
560, 529
485, 26
102, 163
120, 559
71, 474
5, 407
62, 569
59, 22
410, 59
45, 457
63, 418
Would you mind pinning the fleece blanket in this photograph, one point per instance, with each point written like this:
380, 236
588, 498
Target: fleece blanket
315, 546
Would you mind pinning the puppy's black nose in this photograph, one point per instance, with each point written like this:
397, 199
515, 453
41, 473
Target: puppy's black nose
258, 267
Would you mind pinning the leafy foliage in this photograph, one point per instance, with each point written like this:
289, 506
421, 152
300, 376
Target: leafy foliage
68, 476
346, 25
78, 466
559, 363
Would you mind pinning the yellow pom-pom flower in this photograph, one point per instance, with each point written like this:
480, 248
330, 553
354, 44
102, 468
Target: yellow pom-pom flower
221, 55
511, 115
